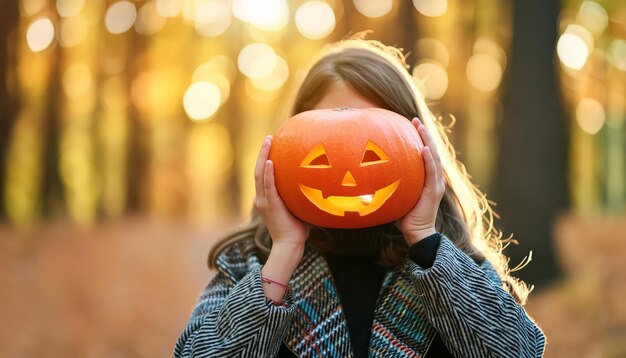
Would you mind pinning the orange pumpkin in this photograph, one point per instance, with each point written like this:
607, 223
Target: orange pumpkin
348, 168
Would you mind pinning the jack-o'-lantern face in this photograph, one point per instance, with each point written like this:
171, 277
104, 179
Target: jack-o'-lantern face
349, 168
364, 203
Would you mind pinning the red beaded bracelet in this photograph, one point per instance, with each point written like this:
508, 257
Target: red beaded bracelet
270, 281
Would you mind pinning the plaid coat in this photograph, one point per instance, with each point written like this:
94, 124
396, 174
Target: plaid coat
462, 300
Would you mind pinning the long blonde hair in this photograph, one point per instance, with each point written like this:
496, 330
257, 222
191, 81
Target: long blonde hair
379, 73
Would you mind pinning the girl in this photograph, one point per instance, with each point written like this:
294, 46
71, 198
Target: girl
434, 283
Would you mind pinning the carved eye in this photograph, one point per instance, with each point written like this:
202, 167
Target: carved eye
373, 155
316, 158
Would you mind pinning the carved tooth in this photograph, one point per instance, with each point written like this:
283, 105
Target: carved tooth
366, 199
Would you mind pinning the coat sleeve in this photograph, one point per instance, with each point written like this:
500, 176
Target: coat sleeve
233, 318
474, 315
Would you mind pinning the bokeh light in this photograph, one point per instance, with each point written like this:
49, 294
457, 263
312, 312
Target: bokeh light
315, 19
432, 8
69, 8
120, 17
206, 72
40, 34
432, 79
256, 60
169, 8
487, 45
373, 8
484, 72
213, 19
149, 21
435, 49
574, 46
258, 95
590, 115
275, 79
268, 15
593, 16
32, 7
201, 100
572, 51
222, 64
617, 50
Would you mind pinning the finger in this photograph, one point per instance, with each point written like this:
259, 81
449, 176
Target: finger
427, 139
269, 182
416, 123
259, 169
430, 182
430, 143
271, 193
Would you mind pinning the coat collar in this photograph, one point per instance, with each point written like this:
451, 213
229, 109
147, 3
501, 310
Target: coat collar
319, 327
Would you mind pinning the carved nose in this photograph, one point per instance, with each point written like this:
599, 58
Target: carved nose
348, 180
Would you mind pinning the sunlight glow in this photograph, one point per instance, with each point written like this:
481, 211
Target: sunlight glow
432, 79
149, 21
120, 17
68, 8
206, 73
484, 72
432, 48
201, 100
40, 34
590, 115
487, 45
213, 19
268, 15
169, 8
256, 60
431, 8
617, 50
32, 7
315, 19
373, 8
222, 64
274, 80
574, 46
593, 16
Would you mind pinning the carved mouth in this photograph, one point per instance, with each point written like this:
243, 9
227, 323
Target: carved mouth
339, 205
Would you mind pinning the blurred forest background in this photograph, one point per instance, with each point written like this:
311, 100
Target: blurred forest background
129, 131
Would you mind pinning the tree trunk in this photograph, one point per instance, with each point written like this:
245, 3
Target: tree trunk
532, 185
138, 150
8, 103
52, 190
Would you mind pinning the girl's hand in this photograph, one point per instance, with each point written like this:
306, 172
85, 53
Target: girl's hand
419, 223
288, 233
283, 227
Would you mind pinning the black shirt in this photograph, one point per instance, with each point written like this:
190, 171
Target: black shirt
358, 281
